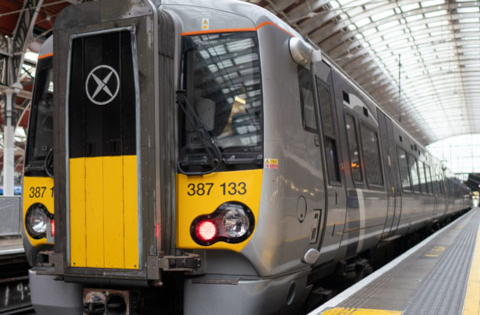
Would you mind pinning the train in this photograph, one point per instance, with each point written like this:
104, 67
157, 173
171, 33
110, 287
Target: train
201, 157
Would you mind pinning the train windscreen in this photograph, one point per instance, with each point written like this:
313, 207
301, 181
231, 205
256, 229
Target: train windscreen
40, 136
222, 83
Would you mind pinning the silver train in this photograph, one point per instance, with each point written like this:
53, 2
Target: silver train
200, 157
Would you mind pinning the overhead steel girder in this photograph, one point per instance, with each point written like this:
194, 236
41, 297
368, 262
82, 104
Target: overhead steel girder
22, 93
21, 38
306, 9
4, 56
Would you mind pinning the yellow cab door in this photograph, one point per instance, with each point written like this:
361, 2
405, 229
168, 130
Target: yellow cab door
102, 153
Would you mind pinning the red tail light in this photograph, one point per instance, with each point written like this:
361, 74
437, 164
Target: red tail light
52, 226
206, 231
232, 222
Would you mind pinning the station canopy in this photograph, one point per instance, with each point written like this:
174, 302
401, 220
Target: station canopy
419, 59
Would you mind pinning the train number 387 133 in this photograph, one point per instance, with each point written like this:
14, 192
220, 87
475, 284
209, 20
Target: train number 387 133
204, 189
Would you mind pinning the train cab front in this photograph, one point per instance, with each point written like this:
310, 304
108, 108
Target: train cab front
158, 153
104, 132
38, 208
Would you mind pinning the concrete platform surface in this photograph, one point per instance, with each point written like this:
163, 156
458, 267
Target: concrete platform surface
439, 276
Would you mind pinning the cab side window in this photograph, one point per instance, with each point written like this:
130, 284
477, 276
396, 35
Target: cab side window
326, 112
309, 119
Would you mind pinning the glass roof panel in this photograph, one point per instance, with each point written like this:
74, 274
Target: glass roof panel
421, 58
433, 66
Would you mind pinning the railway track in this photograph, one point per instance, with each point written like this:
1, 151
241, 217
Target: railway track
14, 288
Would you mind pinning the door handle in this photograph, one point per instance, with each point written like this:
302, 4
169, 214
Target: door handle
317, 141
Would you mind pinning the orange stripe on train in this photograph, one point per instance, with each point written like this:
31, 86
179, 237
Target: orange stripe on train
233, 30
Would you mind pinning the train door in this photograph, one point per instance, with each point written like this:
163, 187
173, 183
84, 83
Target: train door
366, 201
392, 177
334, 181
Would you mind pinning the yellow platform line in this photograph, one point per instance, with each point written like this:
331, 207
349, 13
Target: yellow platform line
358, 311
472, 298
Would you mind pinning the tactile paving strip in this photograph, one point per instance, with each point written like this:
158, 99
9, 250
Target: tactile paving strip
443, 291
378, 285
444, 283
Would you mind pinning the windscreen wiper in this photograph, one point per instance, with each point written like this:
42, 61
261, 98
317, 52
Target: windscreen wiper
48, 163
211, 148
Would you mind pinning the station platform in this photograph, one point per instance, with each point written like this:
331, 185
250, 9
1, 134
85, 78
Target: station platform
440, 276
10, 246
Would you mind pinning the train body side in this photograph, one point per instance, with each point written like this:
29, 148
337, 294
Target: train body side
316, 193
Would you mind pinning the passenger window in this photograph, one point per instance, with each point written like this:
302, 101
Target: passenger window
309, 120
436, 191
332, 160
442, 188
353, 148
326, 112
413, 166
423, 177
404, 173
437, 180
371, 154
429, 179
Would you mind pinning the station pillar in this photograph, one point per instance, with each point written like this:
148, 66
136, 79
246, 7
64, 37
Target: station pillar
9, 122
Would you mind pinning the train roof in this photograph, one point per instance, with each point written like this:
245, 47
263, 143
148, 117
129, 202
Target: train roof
256, 14
47, 48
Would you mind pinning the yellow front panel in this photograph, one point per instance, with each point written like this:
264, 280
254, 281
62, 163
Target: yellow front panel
113, 212
78, 240
37, 190
131, 216
201, 195
94, 211
104, 212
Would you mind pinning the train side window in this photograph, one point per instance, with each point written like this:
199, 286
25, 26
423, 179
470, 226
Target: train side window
371, 155
326, 112
309, 120
353, 148
413, 166
423, 177
437, 180
404, 173
436, 190
442, 187
429, 179
332, 160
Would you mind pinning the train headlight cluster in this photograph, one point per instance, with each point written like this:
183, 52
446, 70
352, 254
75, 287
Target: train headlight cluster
235, 221
37, 219
232, 222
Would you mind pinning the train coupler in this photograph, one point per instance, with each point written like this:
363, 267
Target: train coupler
186, 263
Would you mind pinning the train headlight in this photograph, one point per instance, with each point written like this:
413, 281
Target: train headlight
235, 221
36, 221
232, 222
